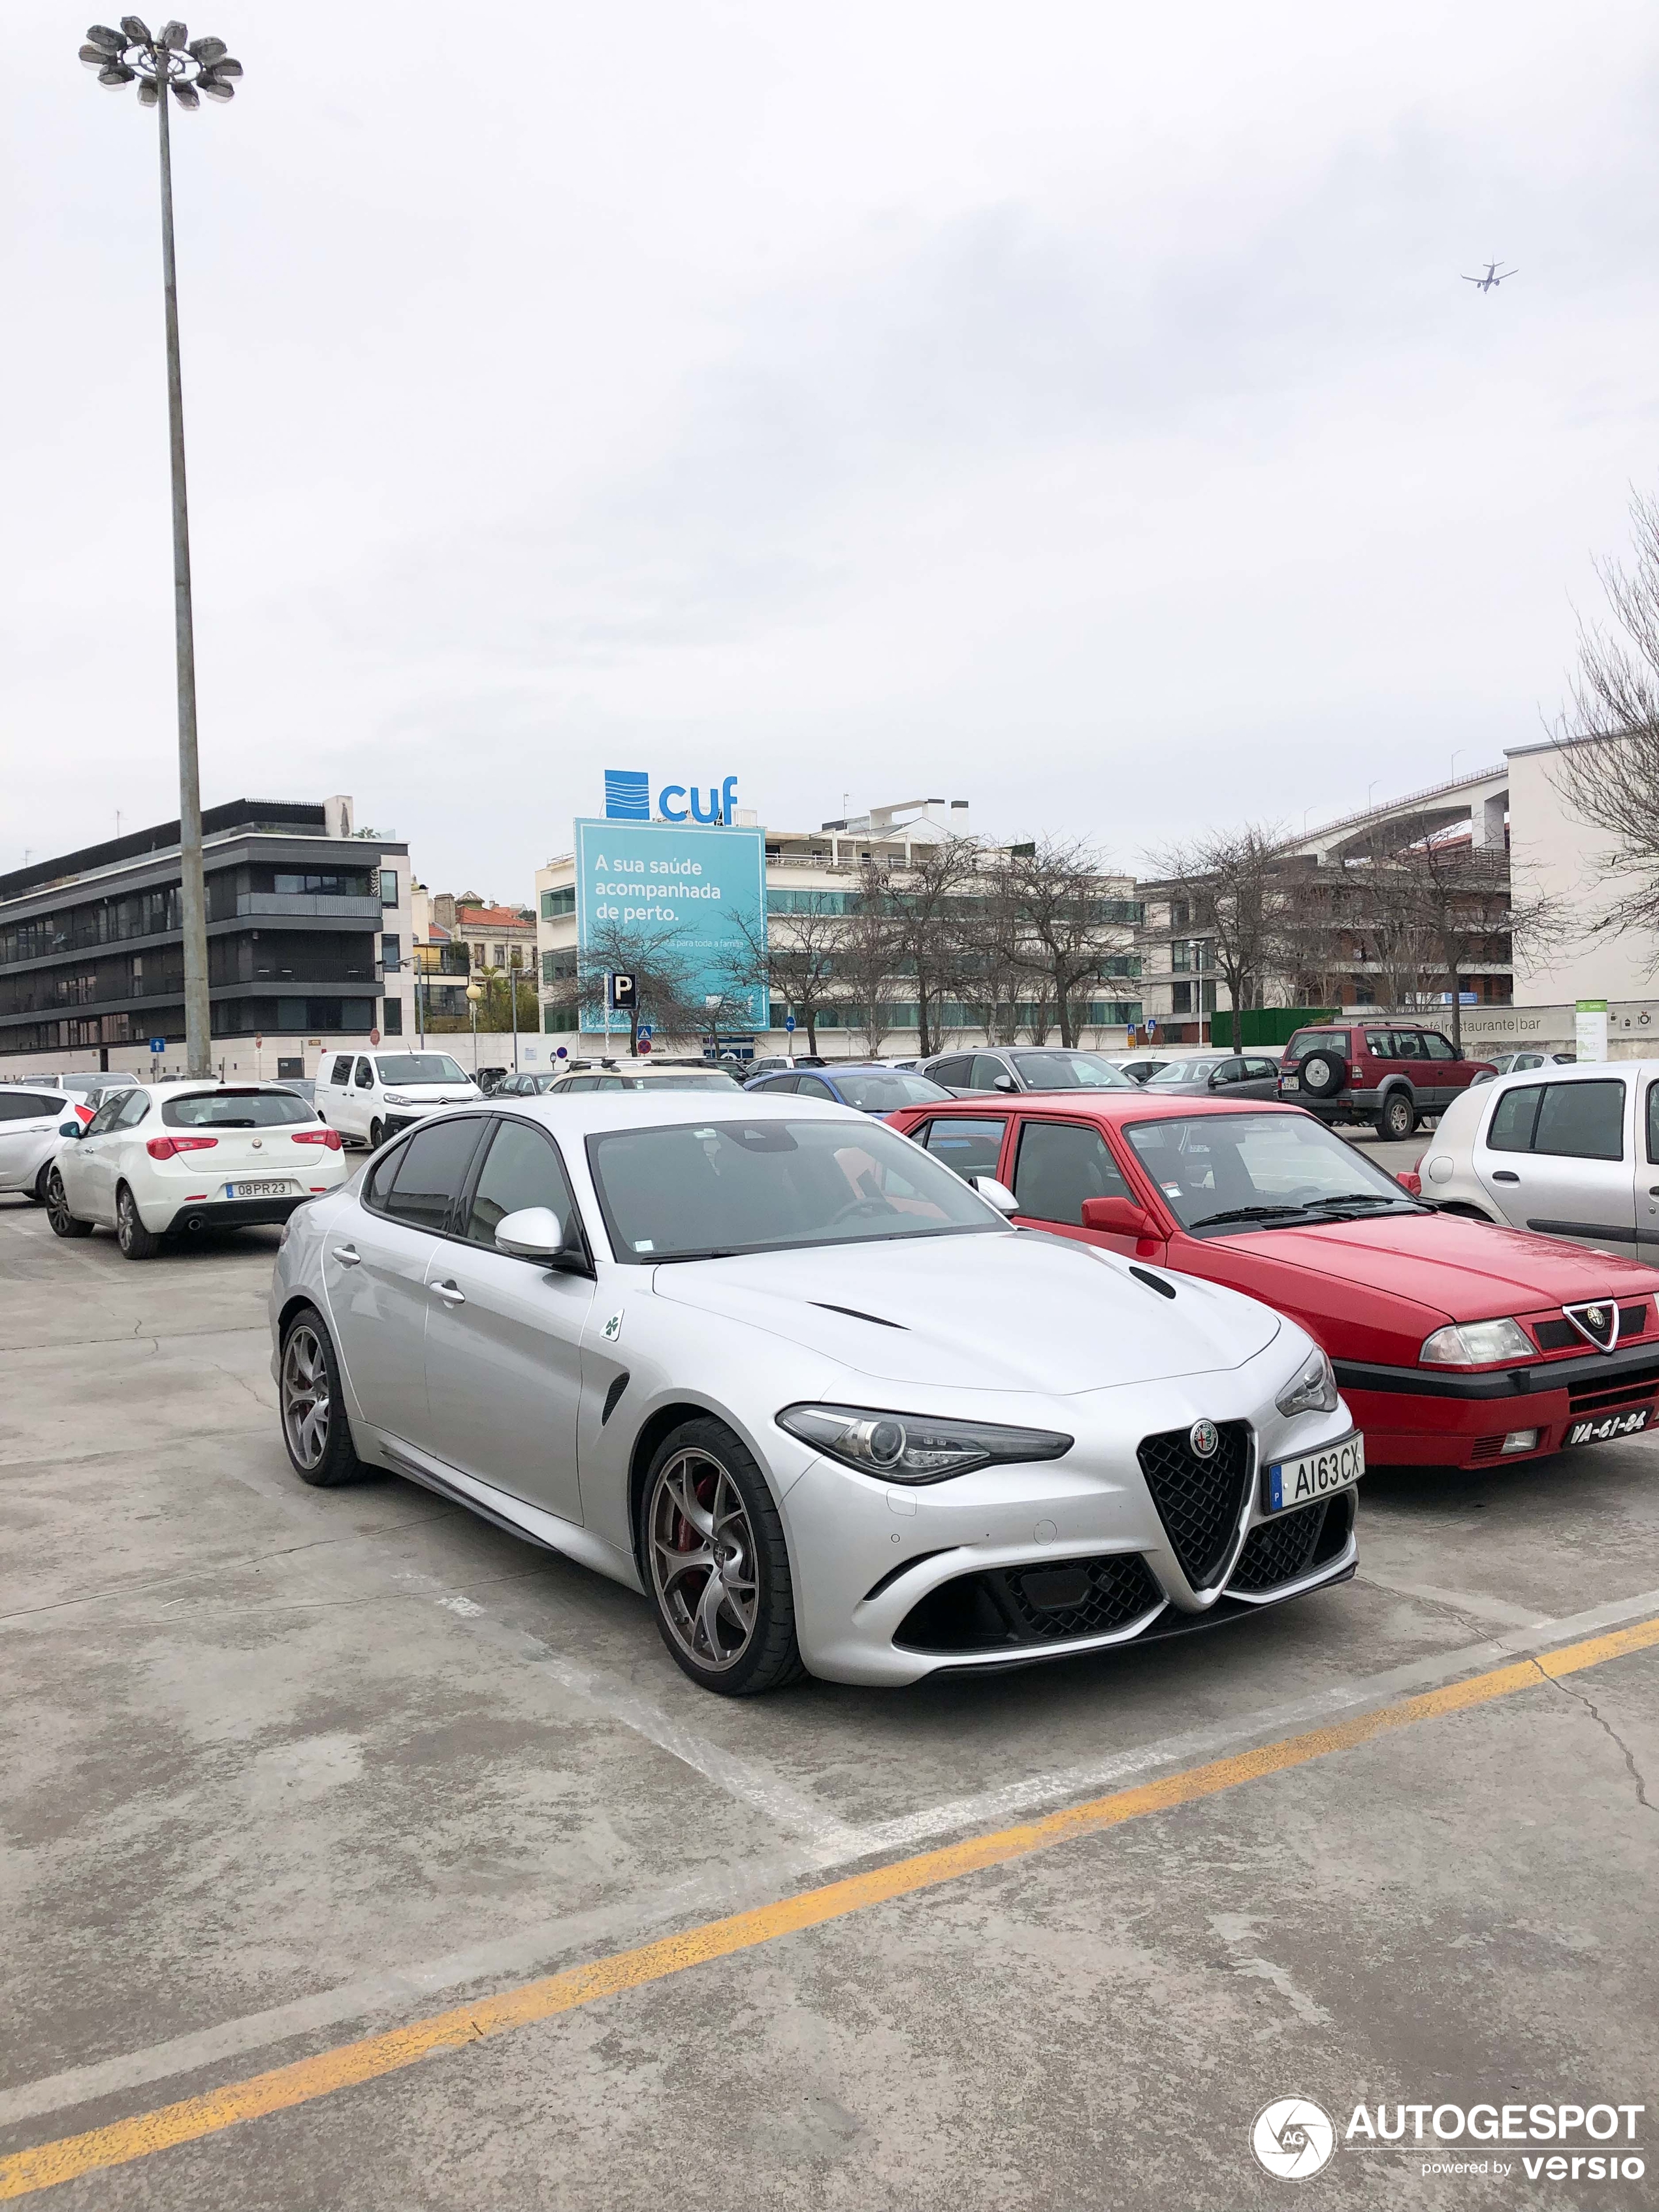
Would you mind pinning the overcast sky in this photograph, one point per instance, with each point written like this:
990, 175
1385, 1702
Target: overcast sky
1071, 408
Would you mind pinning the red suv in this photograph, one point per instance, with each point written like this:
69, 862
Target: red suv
1388, 1073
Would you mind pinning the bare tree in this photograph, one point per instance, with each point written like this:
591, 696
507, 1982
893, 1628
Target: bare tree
1607, 769
664, 995
1445, 906
866, 954
927, 924
1061, 929
795, 958
1238, 895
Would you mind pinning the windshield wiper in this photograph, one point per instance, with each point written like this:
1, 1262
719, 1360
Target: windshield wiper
1245, 1213
1363, 1198
714, 1252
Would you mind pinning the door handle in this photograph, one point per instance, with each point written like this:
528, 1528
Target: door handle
451, 1293
1504, 1175
348, 1255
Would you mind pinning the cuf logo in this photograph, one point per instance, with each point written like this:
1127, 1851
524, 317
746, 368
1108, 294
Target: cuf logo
628, 798
1204, 1438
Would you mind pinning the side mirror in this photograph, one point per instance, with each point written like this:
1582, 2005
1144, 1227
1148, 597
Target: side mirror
1118, 1217
70, 1129
995, 1194
1218, 1081
1004, 1083
535, 1233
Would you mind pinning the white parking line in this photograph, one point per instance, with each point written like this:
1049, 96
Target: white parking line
535, 1947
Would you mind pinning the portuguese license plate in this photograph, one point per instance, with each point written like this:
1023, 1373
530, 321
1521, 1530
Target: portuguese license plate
1290, 1083
1605, 1426
1291, 1482
277, 1187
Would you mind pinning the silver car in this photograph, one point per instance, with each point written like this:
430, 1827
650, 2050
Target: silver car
1201, 1074
771, 1365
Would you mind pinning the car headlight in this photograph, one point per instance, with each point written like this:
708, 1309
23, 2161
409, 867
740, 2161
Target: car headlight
1473, 1343
397, 1098
1314, 1390
912, 1447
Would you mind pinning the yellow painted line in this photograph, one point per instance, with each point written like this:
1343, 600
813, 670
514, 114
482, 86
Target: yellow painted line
283, 2086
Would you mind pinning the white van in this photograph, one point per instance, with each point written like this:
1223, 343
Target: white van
370, 1095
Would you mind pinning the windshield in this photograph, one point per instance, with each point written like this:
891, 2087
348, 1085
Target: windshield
686, 1078
886, 1093
1308, 1040
1238, 1172
701, 1191
235, 1110
1070, 1071
420, 1068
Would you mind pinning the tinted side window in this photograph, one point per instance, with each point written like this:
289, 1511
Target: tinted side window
780, 1083
1582, 1121
1227, 1071
1256, 1068
1378, 1043
953, 1073
1060, 1164
970, 1147
1513, 1118
522, 1170
103, 1120
25, 1105
1408, 1045
987, 1068
1653, 1121
365, 1075
342, 1074
134, 1105
1438, 1048
809, 1086
431, 1169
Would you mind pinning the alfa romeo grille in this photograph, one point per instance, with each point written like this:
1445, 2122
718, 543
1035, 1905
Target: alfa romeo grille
1199, 1500
1291, 1543
1054, 1603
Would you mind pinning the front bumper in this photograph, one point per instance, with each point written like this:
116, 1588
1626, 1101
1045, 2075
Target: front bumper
1010, 1566
1413, 1417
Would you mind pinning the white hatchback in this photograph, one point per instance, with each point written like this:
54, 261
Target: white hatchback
370, 1095
29, 1118
167, 1158
1564, 1150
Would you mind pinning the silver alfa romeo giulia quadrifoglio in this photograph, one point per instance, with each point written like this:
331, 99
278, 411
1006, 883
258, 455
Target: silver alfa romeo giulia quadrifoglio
773, 1365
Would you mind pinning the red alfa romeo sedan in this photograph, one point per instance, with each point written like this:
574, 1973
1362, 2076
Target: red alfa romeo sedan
1456, 1344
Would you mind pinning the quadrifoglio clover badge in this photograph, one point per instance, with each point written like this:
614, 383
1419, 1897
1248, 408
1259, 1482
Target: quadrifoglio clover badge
1293, 2138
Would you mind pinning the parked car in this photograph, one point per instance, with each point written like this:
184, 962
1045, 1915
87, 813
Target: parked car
1564, 1150
1023, 1067
648, 1075
770, 1063
1141, 1067
29, 1121
490, 1079
166, 1159
1457, 1344
832, 1414
370, 1096
1199, 1074
302, 1086
872, 1089
1515, 1063
1388, 1073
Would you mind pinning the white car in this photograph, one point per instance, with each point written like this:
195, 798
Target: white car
168, 1159
29, 1117
370, 1096
1568, 1151
775, 1367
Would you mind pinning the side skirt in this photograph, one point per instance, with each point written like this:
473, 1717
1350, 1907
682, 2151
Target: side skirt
536, 1527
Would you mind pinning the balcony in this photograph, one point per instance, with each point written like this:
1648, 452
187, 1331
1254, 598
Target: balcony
308, 905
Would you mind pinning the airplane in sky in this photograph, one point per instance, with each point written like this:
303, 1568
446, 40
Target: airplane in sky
1493, 278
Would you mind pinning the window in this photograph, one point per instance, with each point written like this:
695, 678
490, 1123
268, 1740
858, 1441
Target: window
1409, 1045
398, 1068
521, 1169
499, 951
1257, 1070
699, 1188
971, 1147
135, 1105
1436, 1046
1069, 1070
391, 1017
554, 903
1378, 1043
431, 1171
1562, 1120
1059, 1165
388, 887
812, 1086
235, 1110
103, 1120
1226, 1071
580, 1083
364, 1073
342, 1074
392, 950
1307, 1041
477, 956
953, 1073
986, 1071
1208, 1170
317, 885
25, 1105
780, 1083
1653, 1121
887, 1092
1180, 999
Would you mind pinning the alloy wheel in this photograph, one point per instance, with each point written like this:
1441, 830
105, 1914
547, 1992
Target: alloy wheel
125, 1219
702, 1561
305, 1397
57, 1211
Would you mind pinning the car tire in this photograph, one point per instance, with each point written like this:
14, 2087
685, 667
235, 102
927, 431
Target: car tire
376, 1135
37, 1191
708, 1524
136, 1243
59, 1220
1323, 1074
312, 1405
1398, 1117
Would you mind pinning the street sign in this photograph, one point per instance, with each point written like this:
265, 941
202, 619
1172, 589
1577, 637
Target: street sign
624, 992
562, 1052
158, 1044
789, 1024
645, 1032
374, 1036
645, 1044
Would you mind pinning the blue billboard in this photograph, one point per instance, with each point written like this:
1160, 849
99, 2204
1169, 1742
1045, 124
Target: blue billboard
708, 887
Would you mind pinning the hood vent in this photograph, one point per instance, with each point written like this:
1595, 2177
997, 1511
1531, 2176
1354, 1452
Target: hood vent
852, 1313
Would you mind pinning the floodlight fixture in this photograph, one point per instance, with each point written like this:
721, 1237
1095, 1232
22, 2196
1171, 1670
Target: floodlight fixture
170, 59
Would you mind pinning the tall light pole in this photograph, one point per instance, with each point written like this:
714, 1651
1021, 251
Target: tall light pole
191, 70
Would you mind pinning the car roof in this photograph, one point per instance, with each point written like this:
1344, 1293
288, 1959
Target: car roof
592, 1112
1138, 1105
1568, 1071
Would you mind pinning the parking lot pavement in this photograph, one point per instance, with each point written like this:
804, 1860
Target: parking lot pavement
292, 1771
